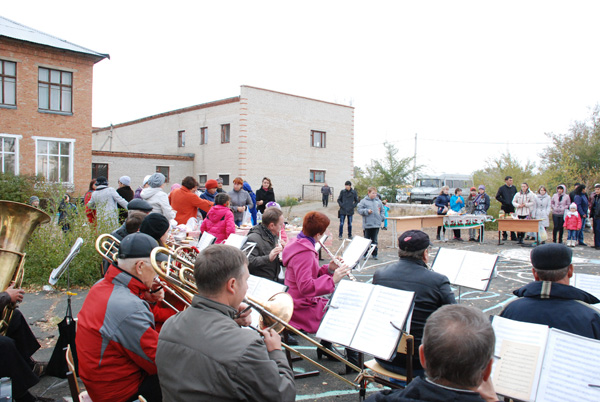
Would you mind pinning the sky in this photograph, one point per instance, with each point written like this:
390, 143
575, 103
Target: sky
472, 79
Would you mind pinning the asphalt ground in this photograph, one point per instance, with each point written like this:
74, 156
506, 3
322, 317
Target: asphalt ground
44, 310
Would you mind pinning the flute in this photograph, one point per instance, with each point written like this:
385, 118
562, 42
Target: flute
334, 259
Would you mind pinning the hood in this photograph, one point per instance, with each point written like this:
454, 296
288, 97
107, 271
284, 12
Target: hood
247, 187
556, 291
296, 246
216, 213
149, 192
564, 188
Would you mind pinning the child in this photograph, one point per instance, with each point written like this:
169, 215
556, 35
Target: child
219, 220
386, 211
572, 224
457, 202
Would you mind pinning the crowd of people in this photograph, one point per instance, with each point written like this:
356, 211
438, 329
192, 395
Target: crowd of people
130, 344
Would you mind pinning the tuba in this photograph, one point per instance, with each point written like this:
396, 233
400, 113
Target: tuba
17, 223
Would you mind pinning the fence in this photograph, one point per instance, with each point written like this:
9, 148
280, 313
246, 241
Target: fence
312, 192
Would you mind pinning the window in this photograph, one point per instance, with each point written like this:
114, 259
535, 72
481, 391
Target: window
317, 176
225, 178
202, 179
225, 132
181, 138
164, 170
55, 90
8, 83
9, 153
317, 139
99, 169
54, 159
203, 135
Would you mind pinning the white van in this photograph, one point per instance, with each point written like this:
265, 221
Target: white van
427, 188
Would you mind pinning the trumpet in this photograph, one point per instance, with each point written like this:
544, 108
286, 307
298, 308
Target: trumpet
337, 262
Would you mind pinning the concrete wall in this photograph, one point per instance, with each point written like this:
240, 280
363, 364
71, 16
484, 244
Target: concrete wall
25, 120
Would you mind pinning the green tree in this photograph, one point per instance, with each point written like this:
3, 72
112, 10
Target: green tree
575, 156
390, 172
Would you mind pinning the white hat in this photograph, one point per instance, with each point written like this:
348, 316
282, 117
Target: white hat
146, 180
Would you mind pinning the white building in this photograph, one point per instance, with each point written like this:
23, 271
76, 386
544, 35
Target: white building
297, 142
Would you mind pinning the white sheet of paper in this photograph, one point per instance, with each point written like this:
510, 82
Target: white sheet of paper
356, 249
205, 240
236, 240
261, 289
515, 371
476, 270
521, 332
376, 335
589, 283
344, 313
571, 364
448, 262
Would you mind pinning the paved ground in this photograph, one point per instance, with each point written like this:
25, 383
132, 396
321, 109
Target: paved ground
45, 309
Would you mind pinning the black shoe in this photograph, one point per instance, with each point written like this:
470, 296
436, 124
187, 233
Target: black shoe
350, 237
504, 238
520, 241
291, 340
458, 239
384, 228
582, 244
326, 345
375, 257
472, 239
596, 248
438, 237
352, 357
341, 238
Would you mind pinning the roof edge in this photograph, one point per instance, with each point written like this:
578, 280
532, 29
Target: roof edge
186, 157
297, 96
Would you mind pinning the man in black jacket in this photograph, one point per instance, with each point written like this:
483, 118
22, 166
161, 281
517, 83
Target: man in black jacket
505, 195
432, 290
264, 259
595, 215
347, 200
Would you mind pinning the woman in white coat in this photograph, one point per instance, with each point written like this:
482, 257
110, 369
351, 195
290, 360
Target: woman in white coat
157, 197
543, 207
524, 202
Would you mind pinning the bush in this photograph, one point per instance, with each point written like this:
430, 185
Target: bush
288, 202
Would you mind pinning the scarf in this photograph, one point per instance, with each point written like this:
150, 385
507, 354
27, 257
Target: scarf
301, 235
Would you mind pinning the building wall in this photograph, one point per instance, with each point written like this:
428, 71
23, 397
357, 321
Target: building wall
26, 121
270, 136
138, 166
278, 140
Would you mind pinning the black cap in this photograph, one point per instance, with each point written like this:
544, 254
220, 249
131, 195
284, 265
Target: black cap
139, 205
137, 245
551, 256
155, 225
413, 240
348, 183
101, 181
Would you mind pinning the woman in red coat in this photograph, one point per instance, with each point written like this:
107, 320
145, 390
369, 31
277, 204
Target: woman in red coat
90, 213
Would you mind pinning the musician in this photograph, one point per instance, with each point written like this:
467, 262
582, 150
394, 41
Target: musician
116, 340
264, 259
16, 349
306, 280
204, 355
550, 300
432, 290
457, 353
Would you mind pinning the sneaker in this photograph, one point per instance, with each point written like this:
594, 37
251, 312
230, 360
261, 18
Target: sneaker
341, 238
375, 257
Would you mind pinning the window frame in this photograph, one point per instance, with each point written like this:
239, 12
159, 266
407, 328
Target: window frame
71, 141
225, 177
3, 78
203, 135
200, 176
61, 86
168, 169
225, 137
313, 176
17, 139
98, 173
181, 139
322, 138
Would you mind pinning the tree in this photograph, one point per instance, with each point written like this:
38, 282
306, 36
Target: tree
575, 156
389, 172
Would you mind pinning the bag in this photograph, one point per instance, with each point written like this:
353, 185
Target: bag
247, 220
543, 234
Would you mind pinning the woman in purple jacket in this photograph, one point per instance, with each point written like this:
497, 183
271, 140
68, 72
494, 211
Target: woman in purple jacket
306, 280
560, 202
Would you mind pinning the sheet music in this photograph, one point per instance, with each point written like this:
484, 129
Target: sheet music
476, 270
376, 335
262, 289
357, 248
236, 240
572, 362
523, 333
515, 371
448, 262
589, 283
344, 313
205, 240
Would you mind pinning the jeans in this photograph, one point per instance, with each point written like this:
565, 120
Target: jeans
572, 234
580, 234
325, 200
372, 234
559, 221
342, 219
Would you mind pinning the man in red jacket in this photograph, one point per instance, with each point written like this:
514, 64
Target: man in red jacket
185, 201
116, 340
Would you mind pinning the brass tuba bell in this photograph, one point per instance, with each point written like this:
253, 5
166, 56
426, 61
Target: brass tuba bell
17, 223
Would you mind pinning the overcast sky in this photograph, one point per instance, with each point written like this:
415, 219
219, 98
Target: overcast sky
472, 78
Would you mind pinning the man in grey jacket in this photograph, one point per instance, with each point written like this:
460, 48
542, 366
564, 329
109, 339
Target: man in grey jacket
105, 200
204, 355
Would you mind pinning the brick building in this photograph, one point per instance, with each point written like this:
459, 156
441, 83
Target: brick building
297, 142
45, 106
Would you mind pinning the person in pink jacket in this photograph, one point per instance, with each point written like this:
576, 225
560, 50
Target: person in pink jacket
559, 204
219, 220
306, 280
572, 224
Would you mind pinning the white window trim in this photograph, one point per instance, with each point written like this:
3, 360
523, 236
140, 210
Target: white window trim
71, 154
18, 138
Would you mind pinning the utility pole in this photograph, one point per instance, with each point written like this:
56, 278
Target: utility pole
415, 162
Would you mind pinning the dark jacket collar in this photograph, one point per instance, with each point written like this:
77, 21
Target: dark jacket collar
553, 290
